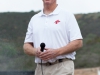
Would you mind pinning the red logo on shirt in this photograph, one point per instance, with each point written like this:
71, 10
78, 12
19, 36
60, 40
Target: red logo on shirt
57, 21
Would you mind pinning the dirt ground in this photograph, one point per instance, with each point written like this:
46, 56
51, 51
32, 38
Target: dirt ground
87, 71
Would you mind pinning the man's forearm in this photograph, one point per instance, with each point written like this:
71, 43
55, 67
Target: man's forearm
29, 49
72, 46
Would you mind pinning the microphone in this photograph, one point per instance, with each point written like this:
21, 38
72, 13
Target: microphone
42, 45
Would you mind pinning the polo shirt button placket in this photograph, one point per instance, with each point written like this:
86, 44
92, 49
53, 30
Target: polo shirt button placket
46, 21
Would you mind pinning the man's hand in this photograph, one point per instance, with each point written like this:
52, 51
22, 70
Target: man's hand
38, 52
47, 54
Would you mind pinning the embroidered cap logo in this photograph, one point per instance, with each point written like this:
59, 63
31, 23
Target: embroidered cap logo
57, 21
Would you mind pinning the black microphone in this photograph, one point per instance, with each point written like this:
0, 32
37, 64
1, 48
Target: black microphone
42, 45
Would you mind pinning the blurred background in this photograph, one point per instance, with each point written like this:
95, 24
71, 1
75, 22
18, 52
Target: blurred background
15, 16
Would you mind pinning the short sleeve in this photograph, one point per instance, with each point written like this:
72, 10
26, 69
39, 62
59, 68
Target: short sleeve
73, 29
29, 33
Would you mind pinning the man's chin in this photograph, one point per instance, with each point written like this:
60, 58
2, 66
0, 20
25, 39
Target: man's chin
47, 2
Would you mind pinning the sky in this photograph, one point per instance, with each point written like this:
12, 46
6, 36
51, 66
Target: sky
74, 6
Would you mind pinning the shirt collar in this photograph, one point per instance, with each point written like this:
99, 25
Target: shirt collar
55, 12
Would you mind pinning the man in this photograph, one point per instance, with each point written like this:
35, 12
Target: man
59, 30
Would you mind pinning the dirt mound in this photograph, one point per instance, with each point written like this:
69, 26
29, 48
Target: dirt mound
87, 71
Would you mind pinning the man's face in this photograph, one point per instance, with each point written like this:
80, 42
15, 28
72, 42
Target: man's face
49, 1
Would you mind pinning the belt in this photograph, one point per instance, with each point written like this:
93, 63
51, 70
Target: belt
57, 61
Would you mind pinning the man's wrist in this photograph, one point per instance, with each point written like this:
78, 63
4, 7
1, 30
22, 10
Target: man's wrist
34, 51
58, 51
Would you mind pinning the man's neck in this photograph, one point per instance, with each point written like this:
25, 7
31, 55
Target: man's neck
49, 8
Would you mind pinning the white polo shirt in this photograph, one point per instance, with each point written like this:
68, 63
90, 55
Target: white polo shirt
56, 30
